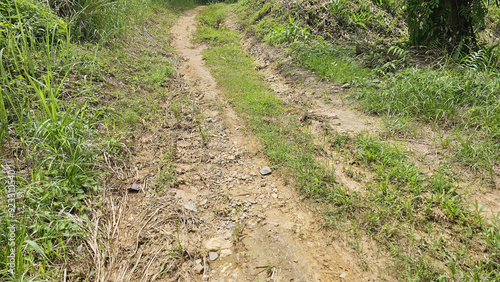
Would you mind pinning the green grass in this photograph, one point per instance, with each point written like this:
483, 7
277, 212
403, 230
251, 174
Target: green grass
467, 101
422, 221
458, 95
286, 143
332, 62
58, 121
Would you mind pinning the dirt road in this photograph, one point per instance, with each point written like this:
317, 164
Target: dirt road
273, 235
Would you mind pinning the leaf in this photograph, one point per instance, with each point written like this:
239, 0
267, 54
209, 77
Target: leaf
37, 248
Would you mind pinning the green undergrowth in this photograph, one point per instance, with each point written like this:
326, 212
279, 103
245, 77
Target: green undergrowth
422, 221
62, 126
455, 95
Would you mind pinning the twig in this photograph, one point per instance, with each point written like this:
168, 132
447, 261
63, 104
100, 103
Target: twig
133, 269
140, 230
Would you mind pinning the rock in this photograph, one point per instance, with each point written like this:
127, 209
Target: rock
225, 253
274, 196
198, 261
215, 244
265, 170
213, 256
136, 188
191, 206
343, 275
231, 226
206, 277
198, 269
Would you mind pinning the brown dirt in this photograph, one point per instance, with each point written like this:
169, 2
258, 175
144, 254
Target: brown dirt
275, 235
264, 229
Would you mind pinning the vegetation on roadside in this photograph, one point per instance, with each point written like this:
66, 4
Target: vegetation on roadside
422, 220
63, 124
457, 94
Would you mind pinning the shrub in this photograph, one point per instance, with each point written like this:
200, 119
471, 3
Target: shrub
33, 17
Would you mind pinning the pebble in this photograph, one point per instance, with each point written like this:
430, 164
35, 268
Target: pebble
198, 268
265, 170
213, 256
190, 206
216, 244
206, 277
274, 196
225, 253
343, 275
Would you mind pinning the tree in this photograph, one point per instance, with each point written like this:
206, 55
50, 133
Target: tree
449, 23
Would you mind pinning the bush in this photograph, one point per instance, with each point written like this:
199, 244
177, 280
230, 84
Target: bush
92, 19
17, 16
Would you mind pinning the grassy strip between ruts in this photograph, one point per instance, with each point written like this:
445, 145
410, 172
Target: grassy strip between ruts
422, 221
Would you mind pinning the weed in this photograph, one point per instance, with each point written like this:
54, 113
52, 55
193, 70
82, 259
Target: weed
53, 130
292, 32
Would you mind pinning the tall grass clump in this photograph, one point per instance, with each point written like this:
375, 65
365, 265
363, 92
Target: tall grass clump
460, 99
94, 19
47, 139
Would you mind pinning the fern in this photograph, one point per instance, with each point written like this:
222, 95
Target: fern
481, 60
398, 52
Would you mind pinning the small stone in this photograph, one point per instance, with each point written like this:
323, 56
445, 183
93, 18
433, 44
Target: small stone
213, 256
206, 277
198, 261
274, 196
231, 158
310, 244
231, 226
265, 170
225, 253
191, 206
343, 275
216, 244
136, 188
198, 269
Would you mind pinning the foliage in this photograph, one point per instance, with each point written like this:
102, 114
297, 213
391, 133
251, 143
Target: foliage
93, 19
32, 17
292, 32
449, 23
49, 133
